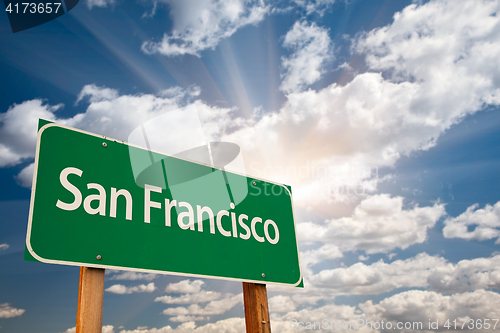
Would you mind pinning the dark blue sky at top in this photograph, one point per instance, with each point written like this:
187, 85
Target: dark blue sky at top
102, 46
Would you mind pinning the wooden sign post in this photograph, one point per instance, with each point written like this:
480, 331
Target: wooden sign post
90, 299
91, 293
256, 308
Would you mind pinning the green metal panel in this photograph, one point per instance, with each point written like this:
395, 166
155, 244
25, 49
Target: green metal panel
77, 237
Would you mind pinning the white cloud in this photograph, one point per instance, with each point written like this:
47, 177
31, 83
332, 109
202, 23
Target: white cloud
4, 246
466, 275
486, 222
378, 277
198, 297
337, 313
18, 130
183, 318
281, 303
6, 311
379, 224
185, 286
193, 295
213, 308
108, 114
422, 271
315, 6
99, 3
105, 329
312, 257
97, 94
435, 64
311, 49
427, 44
420, 306
132, 276
230, 325
121, 289
186, 327
25, 177
200, 25
115, 117
410, 307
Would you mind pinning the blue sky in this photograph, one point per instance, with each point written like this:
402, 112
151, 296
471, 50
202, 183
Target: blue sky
395, 102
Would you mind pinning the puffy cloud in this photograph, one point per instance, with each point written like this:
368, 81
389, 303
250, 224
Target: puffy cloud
310, 258
213, 308
186, 327
486, 221
132, 276
466, 275
18, 130
422, 271
378, 277
193, 295
379, 224
337, 313
4, 246
108, 114
185, 286
121, 289
414, 308
422, 306
450, 60
281, 303
183, 318
25, 177
427, 44
117, 115
315, 6
99, 3
6, 311
105, 329
97, 94
311, 47
200, 25
230, 325
427, 70
197, 297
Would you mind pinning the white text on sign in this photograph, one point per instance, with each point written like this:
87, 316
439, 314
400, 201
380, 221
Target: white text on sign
185, 220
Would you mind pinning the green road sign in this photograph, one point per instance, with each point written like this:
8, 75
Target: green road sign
100, 202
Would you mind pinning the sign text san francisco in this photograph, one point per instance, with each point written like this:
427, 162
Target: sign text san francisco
227, 223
